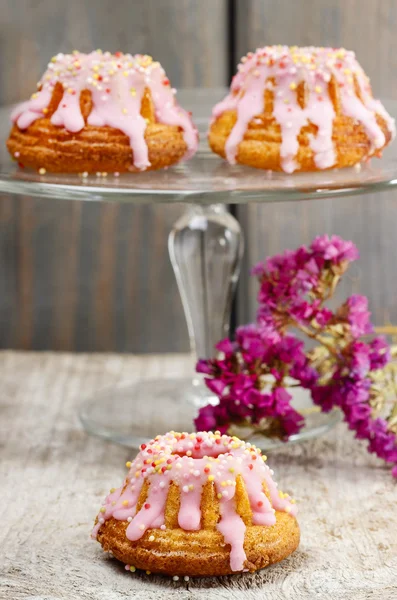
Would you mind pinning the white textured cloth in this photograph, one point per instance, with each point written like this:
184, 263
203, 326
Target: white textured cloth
54, 476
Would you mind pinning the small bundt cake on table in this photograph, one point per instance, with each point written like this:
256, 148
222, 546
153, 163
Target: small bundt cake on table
300, 109
102, 112
200, 504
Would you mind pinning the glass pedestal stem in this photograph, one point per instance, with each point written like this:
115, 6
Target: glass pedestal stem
206, 247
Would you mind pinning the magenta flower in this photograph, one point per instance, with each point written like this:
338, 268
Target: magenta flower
251, 375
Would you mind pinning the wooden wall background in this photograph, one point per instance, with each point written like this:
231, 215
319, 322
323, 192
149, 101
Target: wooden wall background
97, 277
84, 276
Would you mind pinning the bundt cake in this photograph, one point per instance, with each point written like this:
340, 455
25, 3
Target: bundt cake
300, 109
102, 112
200, 504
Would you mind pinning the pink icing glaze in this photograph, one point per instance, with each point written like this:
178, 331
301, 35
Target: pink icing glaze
190, 461
117, 83
288, 67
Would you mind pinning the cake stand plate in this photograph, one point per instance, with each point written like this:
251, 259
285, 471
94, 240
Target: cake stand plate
133, 413
206, 247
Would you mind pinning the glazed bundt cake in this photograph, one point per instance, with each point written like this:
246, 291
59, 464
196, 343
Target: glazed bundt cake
102, 112
200, 504
300, 109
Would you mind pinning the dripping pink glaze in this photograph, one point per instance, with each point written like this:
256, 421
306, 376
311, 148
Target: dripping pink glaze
288, 67
190, 461
117, 83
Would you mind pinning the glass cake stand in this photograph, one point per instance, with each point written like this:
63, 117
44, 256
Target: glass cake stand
206, 247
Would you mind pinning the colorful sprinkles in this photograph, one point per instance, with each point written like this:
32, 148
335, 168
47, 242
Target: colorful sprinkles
191, 461
283, 69
117, 83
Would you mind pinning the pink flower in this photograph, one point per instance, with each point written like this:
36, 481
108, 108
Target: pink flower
334, 248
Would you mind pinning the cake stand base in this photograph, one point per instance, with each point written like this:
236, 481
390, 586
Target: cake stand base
132, 414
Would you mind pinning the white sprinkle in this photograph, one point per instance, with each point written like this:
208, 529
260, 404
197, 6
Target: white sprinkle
225, 494
101, 521
16, 154
357, 167
84, 175
185, 489
162, 484
178, 466
175, 578
141, 527
162, 527
129, 519
151, 539
186, 578
196, 473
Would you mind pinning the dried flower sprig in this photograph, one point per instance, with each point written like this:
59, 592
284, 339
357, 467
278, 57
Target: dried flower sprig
345, 368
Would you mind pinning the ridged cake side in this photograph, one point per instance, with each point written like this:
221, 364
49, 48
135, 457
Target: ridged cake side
216, 490
300, 109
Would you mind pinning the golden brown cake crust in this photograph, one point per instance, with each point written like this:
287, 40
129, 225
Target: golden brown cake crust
200, 553
261, 145
300, 109
93, 149
89, 115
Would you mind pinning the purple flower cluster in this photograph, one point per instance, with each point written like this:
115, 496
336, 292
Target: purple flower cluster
249, 377
249, 380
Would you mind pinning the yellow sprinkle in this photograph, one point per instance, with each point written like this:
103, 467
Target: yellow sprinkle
128, 464
111, 72
223, 483
34, 95
148, 572
137, 474
125, 111
95, 68
318, 89
95, 76
292, 85
75, 52
293, 501
70, 90
113, 503
42, 171
288, 509
211, 477
191, 487
99, 51
133, 93
112, 490
286, 101
70, 67
125, 73
231, 470
45, 110
54, 59
132, 569
264, 457
125, 503
102, 510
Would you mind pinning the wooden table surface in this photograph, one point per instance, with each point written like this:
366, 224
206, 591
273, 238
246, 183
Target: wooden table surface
54, 476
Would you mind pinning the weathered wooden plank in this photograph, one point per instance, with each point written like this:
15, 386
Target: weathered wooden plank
97, 277
368, 28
